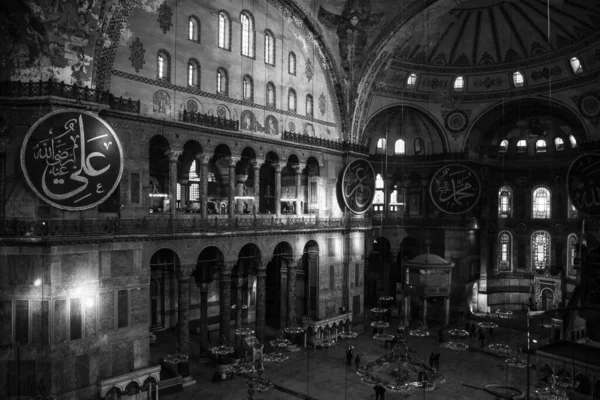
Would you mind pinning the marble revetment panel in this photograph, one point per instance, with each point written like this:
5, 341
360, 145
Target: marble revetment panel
139, 306
106, 316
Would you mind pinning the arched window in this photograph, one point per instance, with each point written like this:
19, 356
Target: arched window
573, 141
576, 65
540, 250
247, 22
572, 210
503, 146
163, 67
505, 201
292, 63
522, 146
378, 200
459, 83
224, 31
292, 100
269, 48
194, 73
518, 79
271, 94
381, 145
504, 251
559, 144
418, 145
193, 194
541, 203
540, 146
571, 255
396, 199
411, 81
309, 105
399, 147
222, 81
248, 88
194, 29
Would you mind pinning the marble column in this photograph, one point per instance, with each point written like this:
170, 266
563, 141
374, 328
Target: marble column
260, 302
184, 184
424, 300
230, 205
173, 158
447, 311
3, 147
183, 321
406, 310
298, 170
277, 168
239, 302
203, 160
225, 303
203, 318
283, 299
291, 300
256, 202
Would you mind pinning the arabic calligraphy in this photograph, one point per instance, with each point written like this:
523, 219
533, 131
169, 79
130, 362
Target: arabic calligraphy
358, 186
583, 183
72, 159
455, 189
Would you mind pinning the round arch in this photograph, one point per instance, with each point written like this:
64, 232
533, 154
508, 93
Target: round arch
478, 137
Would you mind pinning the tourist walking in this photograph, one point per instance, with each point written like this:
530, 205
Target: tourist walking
473, 330
481, 337
357, 362
431, 359
436, 361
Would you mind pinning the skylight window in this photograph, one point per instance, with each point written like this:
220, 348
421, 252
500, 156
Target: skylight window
518, 79
576, 65
459, 83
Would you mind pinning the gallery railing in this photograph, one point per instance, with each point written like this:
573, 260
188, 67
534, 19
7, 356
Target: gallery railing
210, 121
330, 144
168, 226
61, 89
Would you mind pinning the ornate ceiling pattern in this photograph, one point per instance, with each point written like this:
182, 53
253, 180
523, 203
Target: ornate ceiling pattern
488, 32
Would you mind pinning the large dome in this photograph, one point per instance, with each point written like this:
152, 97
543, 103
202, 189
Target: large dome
489, 32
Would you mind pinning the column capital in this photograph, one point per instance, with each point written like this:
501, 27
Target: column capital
185, 271
233, 161
298, 168
277, 167
173, 154
203, 158
256, 164
183, 181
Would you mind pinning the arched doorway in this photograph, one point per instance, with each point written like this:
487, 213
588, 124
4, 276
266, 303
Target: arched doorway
308, 285
547, 299
244, 286
163, 297
210, 261
378, 275
277, 287
409, 249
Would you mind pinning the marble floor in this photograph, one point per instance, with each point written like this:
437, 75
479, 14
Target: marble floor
323, 374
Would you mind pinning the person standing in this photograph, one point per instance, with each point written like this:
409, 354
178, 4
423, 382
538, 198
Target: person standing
481, 337
357, 362
379, 391
436, 361
432, 360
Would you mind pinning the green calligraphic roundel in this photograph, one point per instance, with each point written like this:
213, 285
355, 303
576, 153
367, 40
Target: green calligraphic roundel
455, 189
358, 186
583, 183
72, 159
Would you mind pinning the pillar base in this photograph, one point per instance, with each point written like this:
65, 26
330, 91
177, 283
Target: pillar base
292, 348
188, 381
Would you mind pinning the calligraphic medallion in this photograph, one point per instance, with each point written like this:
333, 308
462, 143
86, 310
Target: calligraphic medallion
455, 189
72, 160
583, 183
358, 186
